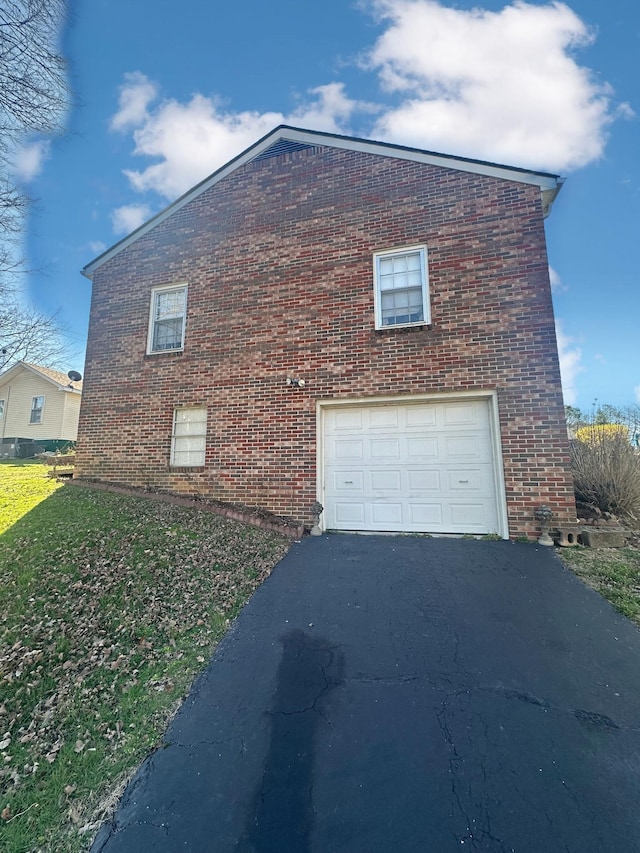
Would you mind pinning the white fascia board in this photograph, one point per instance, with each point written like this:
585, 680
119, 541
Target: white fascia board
544, 180
8, 374
15, 369
549, 184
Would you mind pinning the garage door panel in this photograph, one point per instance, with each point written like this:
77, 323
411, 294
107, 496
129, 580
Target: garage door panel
470, 515
422, 514
349, 449
465, 480
386, 481
383, 418
348, 419
455, 414
422, 448
348, 481
417, 416
463, 447
423, 480
348, 513
384, 448
404, 467
387, 516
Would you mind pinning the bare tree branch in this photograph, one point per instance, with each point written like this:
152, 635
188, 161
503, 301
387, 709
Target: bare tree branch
33, 100
27, 334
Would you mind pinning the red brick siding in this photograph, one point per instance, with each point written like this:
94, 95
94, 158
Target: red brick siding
278, 259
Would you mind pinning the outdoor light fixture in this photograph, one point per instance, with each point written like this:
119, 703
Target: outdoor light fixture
543, 516
295, 383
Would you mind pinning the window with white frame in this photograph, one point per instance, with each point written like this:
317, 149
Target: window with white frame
1, 410
167, 319
37, 405
401, 283
188, 441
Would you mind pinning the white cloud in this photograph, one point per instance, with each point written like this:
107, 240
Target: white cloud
502, 86
136, 93
570, 364
557, 285
129, 217
97, 247
636, 391
331, 110
29, 160
194, 139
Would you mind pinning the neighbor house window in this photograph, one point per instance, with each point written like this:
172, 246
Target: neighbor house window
167, 321
401, 293
1, 409
37, 404
189, 437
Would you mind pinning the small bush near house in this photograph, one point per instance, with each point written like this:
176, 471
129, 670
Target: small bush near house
606, 470
594, 434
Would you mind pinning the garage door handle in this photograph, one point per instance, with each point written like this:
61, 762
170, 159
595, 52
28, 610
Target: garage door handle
348, 482
463, 481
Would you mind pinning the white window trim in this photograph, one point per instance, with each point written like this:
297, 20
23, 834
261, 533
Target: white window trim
154, 292
2, 408
175, 437
35, 397
426, 301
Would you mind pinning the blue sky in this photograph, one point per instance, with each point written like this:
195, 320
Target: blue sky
165, 93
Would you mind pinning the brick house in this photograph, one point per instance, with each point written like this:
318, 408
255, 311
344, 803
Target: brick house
328, 318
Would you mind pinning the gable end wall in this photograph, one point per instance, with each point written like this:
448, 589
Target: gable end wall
278, 260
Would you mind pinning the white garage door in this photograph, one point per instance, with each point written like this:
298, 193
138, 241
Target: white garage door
426, 467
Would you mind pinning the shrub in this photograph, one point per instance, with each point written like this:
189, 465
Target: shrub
606, 470
596, 433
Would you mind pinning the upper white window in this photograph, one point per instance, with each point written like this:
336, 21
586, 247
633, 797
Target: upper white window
188, 442
401, 294
167, 320
37, 405
1, 409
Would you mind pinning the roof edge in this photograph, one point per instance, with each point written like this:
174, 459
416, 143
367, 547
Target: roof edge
34, 370
548, 182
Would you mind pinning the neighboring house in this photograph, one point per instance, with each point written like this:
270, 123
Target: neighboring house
39, 410
327, 318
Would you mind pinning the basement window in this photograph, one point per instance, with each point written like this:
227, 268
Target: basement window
167, 319
188, 440
401, 287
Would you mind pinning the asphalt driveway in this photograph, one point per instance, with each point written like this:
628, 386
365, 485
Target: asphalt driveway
404, 694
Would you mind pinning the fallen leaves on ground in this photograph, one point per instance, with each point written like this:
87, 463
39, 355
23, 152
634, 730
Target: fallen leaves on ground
105, 599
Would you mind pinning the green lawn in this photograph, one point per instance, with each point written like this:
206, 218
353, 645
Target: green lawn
23, 484
613, 572
109, 606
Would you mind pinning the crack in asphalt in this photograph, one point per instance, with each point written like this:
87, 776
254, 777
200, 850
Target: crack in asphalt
461, 794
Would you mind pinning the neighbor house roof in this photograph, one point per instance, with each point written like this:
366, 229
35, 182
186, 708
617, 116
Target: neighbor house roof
284, 138
56, 376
